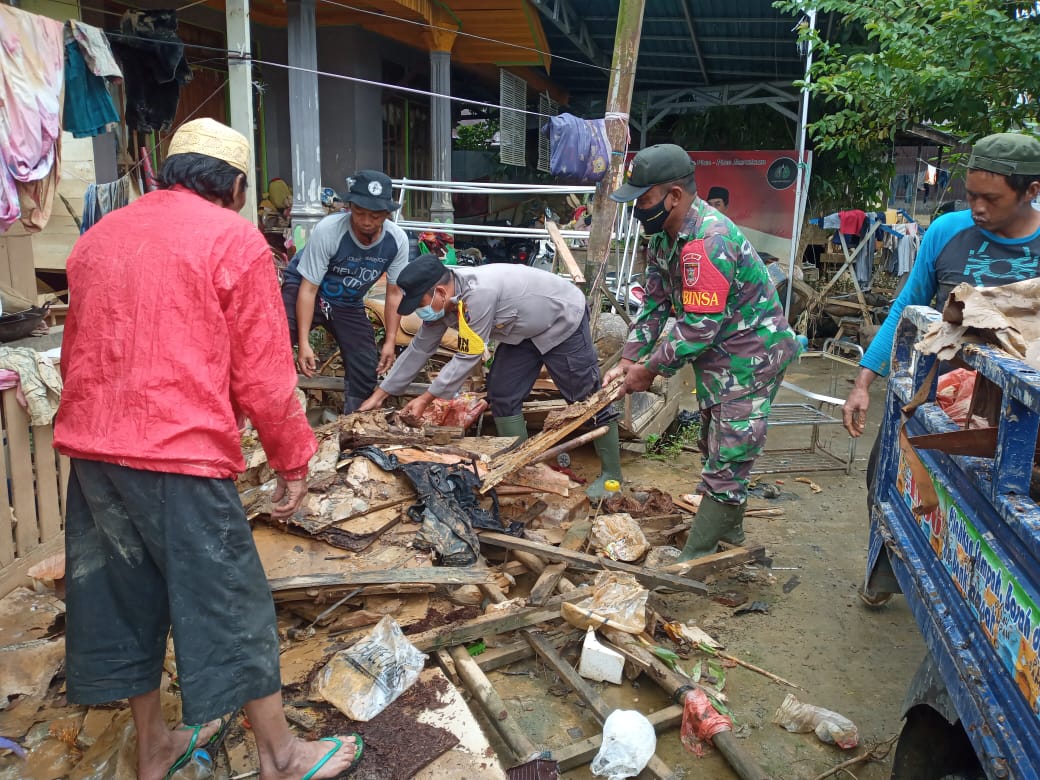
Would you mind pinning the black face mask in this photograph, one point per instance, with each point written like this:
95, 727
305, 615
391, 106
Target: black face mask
653, 218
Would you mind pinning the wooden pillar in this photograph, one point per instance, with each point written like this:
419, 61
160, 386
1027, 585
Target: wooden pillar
619, 103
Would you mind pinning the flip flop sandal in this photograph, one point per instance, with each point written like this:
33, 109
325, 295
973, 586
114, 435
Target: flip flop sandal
188, 753
337, 744
193, 743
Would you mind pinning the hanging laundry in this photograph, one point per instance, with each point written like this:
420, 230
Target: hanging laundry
930, 175
154, 67
851, 222
100, 199
89, 110
31, 79
580, 148
95, 49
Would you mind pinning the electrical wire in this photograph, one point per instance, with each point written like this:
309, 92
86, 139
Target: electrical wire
462, 34
232, 54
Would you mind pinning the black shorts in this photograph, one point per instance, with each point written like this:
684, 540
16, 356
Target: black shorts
573, 365
146, 551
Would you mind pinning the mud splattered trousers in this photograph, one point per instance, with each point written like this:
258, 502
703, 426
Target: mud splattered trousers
147, 551
732, 436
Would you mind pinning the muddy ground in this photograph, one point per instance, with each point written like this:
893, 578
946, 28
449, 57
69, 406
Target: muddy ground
818, 635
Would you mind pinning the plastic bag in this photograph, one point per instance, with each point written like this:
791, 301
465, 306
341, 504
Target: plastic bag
830, 727
628, 744
365, 679
615, 596
619, 537
953, 394
700, 722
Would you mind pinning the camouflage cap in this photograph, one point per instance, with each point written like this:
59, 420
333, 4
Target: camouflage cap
1006, 153
656, 164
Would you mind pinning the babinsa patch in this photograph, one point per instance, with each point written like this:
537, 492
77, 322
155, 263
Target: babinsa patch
704, 287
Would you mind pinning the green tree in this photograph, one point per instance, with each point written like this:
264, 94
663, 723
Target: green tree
970, 67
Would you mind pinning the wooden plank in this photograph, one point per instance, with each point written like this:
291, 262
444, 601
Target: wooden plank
17, 573
709, 564
497, 657
573, 417
489, 625
433, 575
7, 549
564, 252
328, 595
47, 496
491, 703
583, 752
64, 469
580, 686
577, 535
546, 583
16, 423
650, 578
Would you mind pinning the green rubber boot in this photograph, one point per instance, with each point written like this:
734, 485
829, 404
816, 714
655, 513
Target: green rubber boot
715, 521
608, 448
514, 425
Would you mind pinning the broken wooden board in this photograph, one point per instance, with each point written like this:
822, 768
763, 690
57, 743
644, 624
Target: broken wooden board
580, 753
716, 562
649, 577
563, 251
431, 575
570, 677
489, 625
557, 426
546, 583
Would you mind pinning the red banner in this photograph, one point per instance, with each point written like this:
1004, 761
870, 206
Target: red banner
761, 186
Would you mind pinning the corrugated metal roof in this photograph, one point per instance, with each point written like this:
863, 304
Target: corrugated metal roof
685, 43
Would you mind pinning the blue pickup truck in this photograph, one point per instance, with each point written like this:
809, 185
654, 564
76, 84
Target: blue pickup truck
959, 536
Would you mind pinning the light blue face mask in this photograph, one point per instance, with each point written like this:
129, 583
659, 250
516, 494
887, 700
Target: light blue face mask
428, 314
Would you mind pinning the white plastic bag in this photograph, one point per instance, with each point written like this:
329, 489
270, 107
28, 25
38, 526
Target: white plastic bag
801, 718
629, 743
363, 680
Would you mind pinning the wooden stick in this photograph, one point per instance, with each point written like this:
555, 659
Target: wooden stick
564, 252
649, 577
752, 667
571, 444
874, 754
484, 692
573, 417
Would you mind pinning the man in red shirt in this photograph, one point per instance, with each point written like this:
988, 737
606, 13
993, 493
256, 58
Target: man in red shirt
175, 328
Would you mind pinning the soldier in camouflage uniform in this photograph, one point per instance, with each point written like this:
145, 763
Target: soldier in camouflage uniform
729, 325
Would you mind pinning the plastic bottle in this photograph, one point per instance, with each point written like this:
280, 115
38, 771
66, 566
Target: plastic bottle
830, 727
199, 767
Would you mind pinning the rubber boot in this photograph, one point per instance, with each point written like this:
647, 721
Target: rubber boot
514, 425
608, 448
714, 522
351, 403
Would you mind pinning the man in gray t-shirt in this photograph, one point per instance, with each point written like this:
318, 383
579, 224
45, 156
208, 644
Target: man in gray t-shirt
326, 284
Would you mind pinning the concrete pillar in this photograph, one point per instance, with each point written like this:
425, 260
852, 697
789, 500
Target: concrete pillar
240, 84
304, 127
441, 209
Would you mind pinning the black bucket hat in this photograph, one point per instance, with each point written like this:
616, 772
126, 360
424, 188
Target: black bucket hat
371, 190
416, 279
